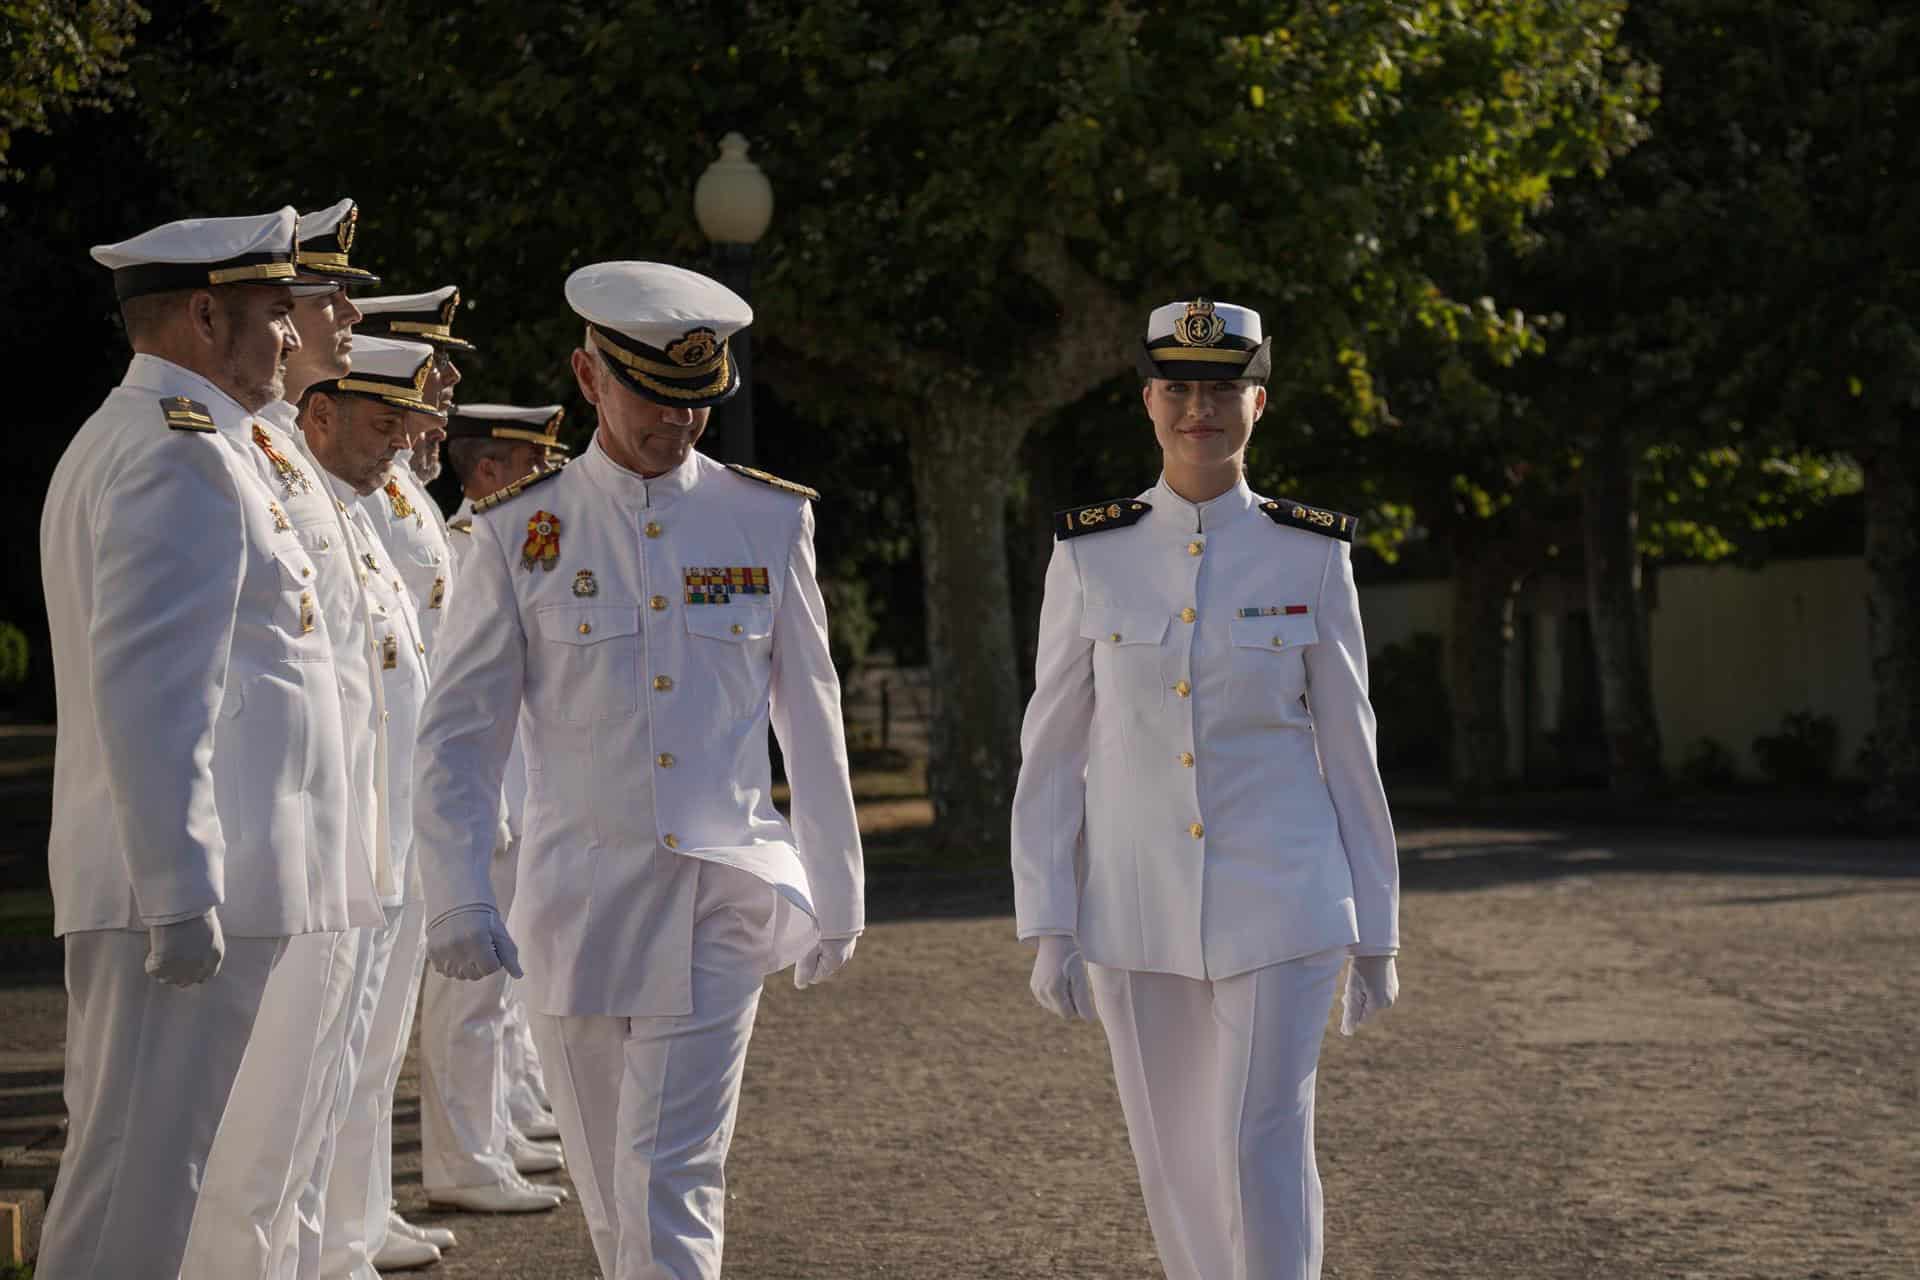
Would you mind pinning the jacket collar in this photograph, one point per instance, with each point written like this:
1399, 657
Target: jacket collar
1199, 517
165, 378
632, 489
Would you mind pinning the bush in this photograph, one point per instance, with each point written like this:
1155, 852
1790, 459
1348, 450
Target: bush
1408, 687
14, 654
1709, 765
1802, 752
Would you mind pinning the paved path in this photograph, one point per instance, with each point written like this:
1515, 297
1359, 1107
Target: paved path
1618, 1055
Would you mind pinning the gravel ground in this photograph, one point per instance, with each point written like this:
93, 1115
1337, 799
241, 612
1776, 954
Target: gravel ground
1616, 1055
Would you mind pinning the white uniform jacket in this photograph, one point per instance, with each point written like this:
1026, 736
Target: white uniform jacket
643, 691
400, 656
1198, 790
200, 759
415, 534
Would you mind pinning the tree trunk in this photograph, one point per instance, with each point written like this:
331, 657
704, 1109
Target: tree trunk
1486, 585
963, 462
1610, 519
1893, 622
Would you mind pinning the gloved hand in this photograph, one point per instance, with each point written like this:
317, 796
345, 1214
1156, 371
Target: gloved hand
187, 952
823, 961
472, 942
1372, 987
1060, 978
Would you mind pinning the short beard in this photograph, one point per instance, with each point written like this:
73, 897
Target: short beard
426, 463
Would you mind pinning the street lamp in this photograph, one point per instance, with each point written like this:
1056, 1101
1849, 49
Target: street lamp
733, 202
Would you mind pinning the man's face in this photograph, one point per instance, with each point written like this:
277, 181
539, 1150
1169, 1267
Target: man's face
644, 435
251, 330
1203, 424
324, 320
431, 432
355, 438
519, 461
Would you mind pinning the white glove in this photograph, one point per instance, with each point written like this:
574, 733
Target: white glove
1060, 978
823, 961
472, 942
1372, 987
187, 952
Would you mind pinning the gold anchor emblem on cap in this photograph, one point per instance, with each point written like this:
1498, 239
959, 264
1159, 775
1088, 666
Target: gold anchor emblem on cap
1200, 327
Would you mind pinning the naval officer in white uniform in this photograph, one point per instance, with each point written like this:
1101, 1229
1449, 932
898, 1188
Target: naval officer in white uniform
643, 613
1200, 835
203, 807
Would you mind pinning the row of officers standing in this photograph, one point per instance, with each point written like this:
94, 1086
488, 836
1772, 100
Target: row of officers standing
314, 737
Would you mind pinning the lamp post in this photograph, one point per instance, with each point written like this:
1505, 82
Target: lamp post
733, 202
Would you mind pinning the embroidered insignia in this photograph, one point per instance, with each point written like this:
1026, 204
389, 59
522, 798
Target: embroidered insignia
518, 487
371, 563
307, 619
463, 525
1200, 327
754, 473
348, 225
438, 595
183, 414
1075, 521
543, 542
721, 585
584, 585
291, 476
397, 500
697, 347
389, 654
1328, 524
1272, 611
280, 524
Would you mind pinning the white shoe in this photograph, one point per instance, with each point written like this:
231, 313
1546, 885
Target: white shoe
401, 1253
544, 1188
542, 1125
529, 1156
517, 1197
438, 1237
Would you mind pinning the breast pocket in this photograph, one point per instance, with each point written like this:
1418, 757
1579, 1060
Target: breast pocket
732, 644
296, 609
587, 663
1129, 652
1269, 662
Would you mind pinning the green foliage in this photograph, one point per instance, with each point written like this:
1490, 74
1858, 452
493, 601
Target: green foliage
15, 654
851, 624
1709, 765
1410, 678
60, 54
1802, 752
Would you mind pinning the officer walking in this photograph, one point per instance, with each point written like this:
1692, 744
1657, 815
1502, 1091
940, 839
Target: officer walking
1200, 834
643, 613
203, 809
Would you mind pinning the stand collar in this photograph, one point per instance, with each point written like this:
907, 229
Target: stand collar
1200, 517
630, 487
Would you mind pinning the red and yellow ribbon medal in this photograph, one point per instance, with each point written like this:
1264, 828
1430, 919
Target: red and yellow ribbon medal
398, 501
543, 542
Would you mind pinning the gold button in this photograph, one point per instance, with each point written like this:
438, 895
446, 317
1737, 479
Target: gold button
586, 628
663, 683
666, 760
418, 647
1115, 637
670, 840
1195, 548
325, 543
306, 573
736, 628
657, 603
1182, 688
652, 530
1196, 831
1277, 642
1186, 758
339, 505
1188, 615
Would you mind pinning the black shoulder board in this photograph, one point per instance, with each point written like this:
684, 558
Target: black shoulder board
185, 415
1117, 514
515, 489
754, 473
1331, 524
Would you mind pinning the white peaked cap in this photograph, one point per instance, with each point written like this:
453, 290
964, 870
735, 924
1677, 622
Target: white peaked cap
662, 329
195, 253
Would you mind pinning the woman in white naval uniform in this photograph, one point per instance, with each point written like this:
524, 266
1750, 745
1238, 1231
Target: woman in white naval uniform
643, 613
1199, 831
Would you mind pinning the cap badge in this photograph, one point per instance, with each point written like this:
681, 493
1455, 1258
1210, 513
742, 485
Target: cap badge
449, 307
292, 477
697, 347
583, 584
542, 546
1200, 327
348, 226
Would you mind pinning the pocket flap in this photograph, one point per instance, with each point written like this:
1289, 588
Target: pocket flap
1278, 633
732, 622
583, 624
1105, 624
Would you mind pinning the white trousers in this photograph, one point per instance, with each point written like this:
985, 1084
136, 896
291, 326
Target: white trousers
646, 1105
1216, 1080
358, 1180
283, 1105
149, 1068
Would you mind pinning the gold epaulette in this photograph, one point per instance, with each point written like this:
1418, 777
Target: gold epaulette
1298, 515
754, 473
463, 525
1101, 516
185, 415
515, 489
